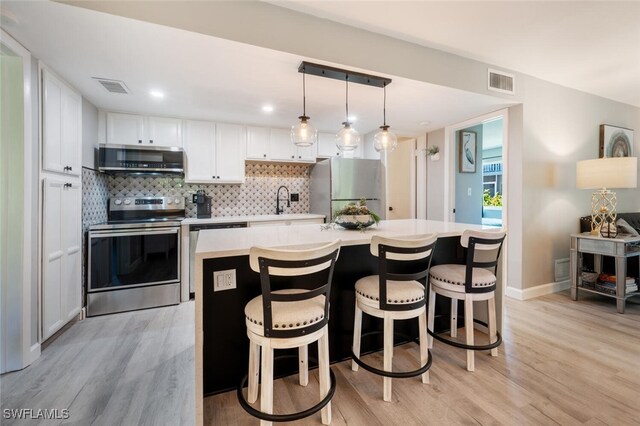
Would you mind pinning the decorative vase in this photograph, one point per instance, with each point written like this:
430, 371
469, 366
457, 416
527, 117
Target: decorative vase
359, 221
608, 230
435, 157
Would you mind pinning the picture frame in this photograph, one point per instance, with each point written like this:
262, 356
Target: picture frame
615, 141
467, 152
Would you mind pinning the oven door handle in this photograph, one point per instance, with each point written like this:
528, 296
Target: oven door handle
133, 233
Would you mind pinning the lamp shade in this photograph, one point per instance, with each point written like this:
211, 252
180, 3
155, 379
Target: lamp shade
615, 172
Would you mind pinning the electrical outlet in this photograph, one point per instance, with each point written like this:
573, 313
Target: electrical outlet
224, 280
469, 192
295, 197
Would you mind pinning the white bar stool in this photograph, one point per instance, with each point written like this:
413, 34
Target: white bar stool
471, 282
395, 296
289, 318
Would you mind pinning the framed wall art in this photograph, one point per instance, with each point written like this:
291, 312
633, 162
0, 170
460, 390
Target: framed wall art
615, 141
468, 151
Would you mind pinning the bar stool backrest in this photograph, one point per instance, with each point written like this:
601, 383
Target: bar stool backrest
488, 245
294, 263
417, 248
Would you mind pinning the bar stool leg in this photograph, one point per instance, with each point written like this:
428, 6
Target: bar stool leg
424, 351
266, 389
323, 374
388, 354
468, 329
254, 371
303, 360
493, 335
431, 314
357, 335
454, 318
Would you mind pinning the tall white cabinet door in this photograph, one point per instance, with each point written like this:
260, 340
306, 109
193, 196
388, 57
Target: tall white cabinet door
71, 131
52, 92
164, 131
230, 152
125, 129
71, 224
200, 147
280, 145
257, 143
52, 257
307, 153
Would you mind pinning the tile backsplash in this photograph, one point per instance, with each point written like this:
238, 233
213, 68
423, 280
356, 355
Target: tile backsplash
257, 196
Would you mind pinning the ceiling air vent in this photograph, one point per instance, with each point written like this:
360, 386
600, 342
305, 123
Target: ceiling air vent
113, 86
502, 82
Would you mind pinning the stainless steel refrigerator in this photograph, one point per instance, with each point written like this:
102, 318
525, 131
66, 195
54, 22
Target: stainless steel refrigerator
336, 182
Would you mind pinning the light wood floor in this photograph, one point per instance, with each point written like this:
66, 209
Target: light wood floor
562, 362
124, 369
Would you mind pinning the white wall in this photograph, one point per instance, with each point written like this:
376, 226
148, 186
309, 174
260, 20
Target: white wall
435, 175
89, 133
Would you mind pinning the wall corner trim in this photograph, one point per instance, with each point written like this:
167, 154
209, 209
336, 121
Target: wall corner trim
537, 291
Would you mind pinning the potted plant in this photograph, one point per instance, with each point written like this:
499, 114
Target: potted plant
356, 216
433, 152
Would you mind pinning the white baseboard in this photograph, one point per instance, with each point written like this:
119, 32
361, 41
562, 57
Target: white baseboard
34, 353
537, 291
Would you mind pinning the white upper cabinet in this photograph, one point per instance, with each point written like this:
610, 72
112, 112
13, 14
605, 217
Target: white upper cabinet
307, 154
230, 152
61, 126
280, 146
164, 131
258, 143
133, 129
215, 152
327, 145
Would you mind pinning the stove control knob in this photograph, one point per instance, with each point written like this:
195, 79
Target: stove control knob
117, 202
170, 201
177, 200
127, 202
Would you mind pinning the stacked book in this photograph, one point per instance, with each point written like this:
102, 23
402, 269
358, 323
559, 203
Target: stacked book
607, 284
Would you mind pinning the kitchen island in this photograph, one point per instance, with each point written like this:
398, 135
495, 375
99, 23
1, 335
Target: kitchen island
221, 341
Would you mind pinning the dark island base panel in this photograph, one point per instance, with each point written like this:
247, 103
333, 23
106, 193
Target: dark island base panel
226, 345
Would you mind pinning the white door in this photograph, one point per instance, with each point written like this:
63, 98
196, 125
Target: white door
164, 131
71, 122
52, 257
280, 145
71, 239
200, 148
230, 152
400, 166
327, 145
257, 143
125, 129
52, 92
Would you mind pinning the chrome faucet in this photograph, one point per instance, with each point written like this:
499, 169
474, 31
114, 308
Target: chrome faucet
278, 208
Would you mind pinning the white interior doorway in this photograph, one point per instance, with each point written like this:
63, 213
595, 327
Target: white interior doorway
401, 180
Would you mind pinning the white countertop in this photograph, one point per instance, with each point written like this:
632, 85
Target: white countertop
260, 218
238, 241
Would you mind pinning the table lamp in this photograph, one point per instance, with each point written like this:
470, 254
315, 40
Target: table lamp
602, 174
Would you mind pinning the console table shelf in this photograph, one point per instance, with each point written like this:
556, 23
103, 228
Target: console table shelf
621, 248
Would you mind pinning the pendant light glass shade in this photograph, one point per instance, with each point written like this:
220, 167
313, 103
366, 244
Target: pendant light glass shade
348, 138
385, 140
303, 134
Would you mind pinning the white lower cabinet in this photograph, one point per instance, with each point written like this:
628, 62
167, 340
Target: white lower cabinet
61, 254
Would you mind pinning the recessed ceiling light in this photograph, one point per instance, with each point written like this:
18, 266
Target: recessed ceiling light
352, 118
267, 108
156, 94
425, 123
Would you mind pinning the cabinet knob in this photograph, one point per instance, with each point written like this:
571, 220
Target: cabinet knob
293, 156
299, 156
139, 140
67, 185
264, 155
150, 140
337, 153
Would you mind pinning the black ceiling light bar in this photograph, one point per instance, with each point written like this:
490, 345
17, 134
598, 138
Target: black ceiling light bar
343, 75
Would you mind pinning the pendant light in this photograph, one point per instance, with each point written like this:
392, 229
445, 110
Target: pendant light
348, 138
303, 134
385, 140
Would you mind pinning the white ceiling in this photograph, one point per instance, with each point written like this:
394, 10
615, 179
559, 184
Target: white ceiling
209, 78
592, 46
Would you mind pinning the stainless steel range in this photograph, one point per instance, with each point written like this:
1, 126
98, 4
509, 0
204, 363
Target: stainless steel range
134, 259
